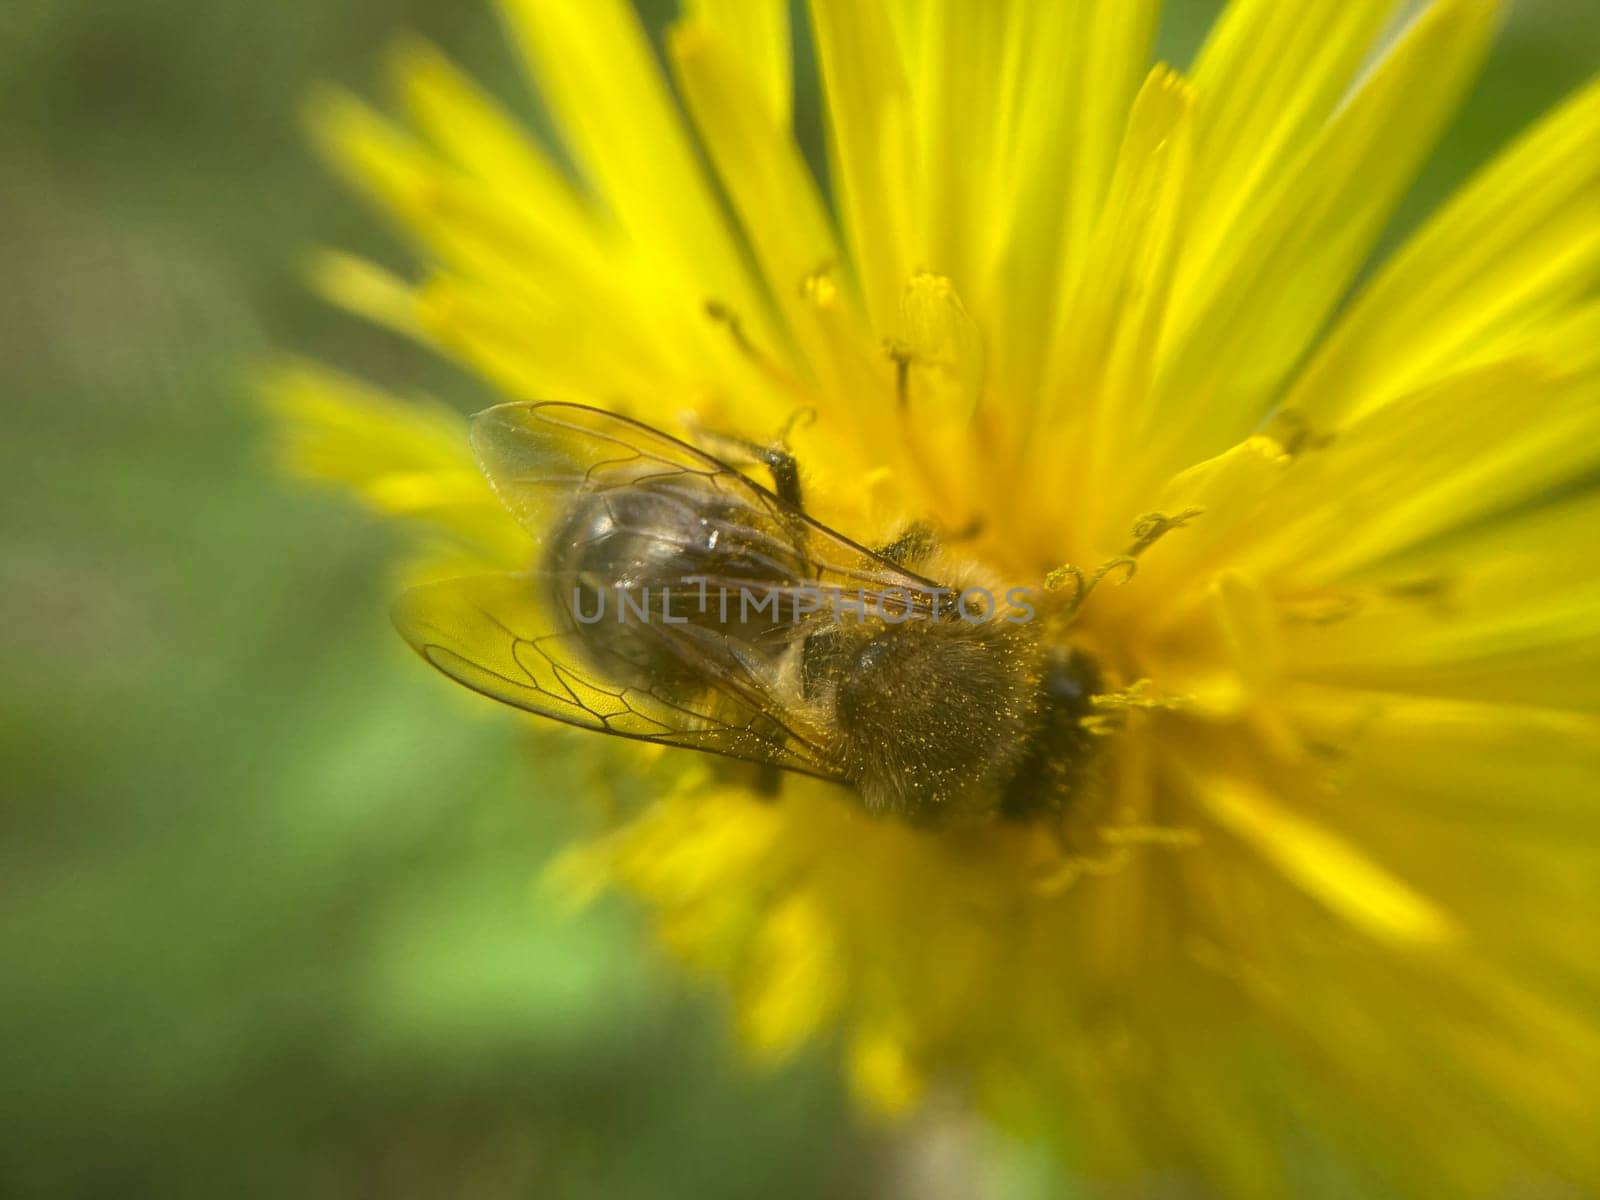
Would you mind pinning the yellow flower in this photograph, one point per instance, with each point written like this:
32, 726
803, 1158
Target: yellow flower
1337, 911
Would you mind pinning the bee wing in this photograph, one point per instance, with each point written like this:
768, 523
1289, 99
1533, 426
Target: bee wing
492, 634
540, 457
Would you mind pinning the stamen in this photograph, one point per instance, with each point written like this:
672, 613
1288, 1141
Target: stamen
1328, 609
1152, 527
1128, 831
1076, 866
819, 287
900, 354
1147, 530
1170, 837
1120, 840
1068, 573
1114, 707
1140, 694
1290, 429
726, 317
1429, 592
940, 333
778, 374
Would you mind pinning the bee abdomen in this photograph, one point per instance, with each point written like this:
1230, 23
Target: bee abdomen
935, 718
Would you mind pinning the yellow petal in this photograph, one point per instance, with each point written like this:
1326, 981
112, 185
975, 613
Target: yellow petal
596, 71
478, 231
783, 213
1018, 111
367, 290
756, 32
1243, 316
405, 459
543, 300
479, 137
1326, 866
882, 1072
1433, 463
1268, 78
1112, 42
1504, 613
535, 347
1097, 383
870, 149
1520, 242
1430, 465
961, 87
1525, 770
376, 157
1489, 809
1482, 801
789, 982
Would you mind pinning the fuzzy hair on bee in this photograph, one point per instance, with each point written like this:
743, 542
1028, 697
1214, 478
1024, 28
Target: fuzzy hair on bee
934, 717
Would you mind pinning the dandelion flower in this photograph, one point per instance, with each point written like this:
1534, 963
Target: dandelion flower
1334, 914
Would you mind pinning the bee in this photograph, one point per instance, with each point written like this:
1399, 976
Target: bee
674, 600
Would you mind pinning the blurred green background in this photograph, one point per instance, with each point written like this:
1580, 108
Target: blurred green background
268, 923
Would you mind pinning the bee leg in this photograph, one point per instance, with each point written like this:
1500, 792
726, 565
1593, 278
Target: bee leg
916, 543
767, 782
783, 466
785, 473
774, 456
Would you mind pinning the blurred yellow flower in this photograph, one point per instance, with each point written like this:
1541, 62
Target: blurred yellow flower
1339, 915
